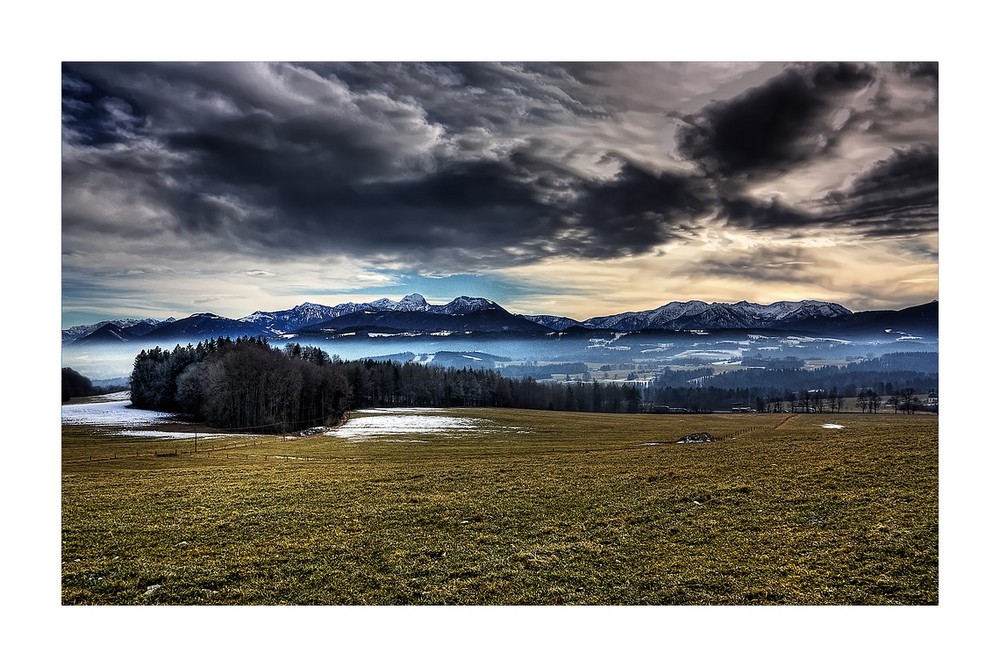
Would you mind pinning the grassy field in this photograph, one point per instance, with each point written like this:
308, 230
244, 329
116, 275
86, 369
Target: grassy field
536, 508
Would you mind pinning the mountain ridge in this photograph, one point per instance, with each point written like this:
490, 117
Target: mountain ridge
478, 314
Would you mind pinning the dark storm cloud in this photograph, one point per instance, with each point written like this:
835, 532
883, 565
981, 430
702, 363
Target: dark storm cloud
778, 265
460, 163
769, 129
762, 215
291, 162
463, 95
919, 70
94, 115
469, 211
640, 209
896, 196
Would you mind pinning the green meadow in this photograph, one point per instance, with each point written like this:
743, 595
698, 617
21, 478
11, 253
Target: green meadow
528, 508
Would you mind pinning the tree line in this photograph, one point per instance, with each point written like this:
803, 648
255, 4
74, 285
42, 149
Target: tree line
891, 381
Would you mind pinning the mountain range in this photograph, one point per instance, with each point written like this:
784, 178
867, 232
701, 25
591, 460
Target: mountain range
465, 314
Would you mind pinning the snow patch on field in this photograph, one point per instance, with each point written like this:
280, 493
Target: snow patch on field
393, 411
112, 413
833, 426
369, 427
176, 435
379, 422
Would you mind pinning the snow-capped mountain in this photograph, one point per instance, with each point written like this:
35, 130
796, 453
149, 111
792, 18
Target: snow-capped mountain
293, 319
107, 333
466, 304
309, 315
413, 314
408, 304
554, 322
127, 325
700, 315
201, 326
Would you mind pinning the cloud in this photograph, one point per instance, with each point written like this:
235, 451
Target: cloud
783, 123
760, 265
638, 210
895, 197
762, 215
280, 160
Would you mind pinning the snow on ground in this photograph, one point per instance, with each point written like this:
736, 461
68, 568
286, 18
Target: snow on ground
392, 411
131, 421
398, 424
179, 435
116, 396
411, 421
112, 413
833, 426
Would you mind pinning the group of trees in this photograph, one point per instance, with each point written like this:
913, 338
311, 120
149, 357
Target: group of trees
74, 384
905, 400
242, 384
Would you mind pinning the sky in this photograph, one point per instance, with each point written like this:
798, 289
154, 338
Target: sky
575, 188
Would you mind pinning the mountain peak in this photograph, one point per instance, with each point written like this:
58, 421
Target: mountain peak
414, 298
468, 304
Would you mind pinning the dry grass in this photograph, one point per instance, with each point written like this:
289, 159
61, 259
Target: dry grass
544, 508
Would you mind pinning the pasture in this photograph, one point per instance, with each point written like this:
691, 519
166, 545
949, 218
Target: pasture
511, 508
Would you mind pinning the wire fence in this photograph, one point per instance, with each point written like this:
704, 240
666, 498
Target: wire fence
185, 448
